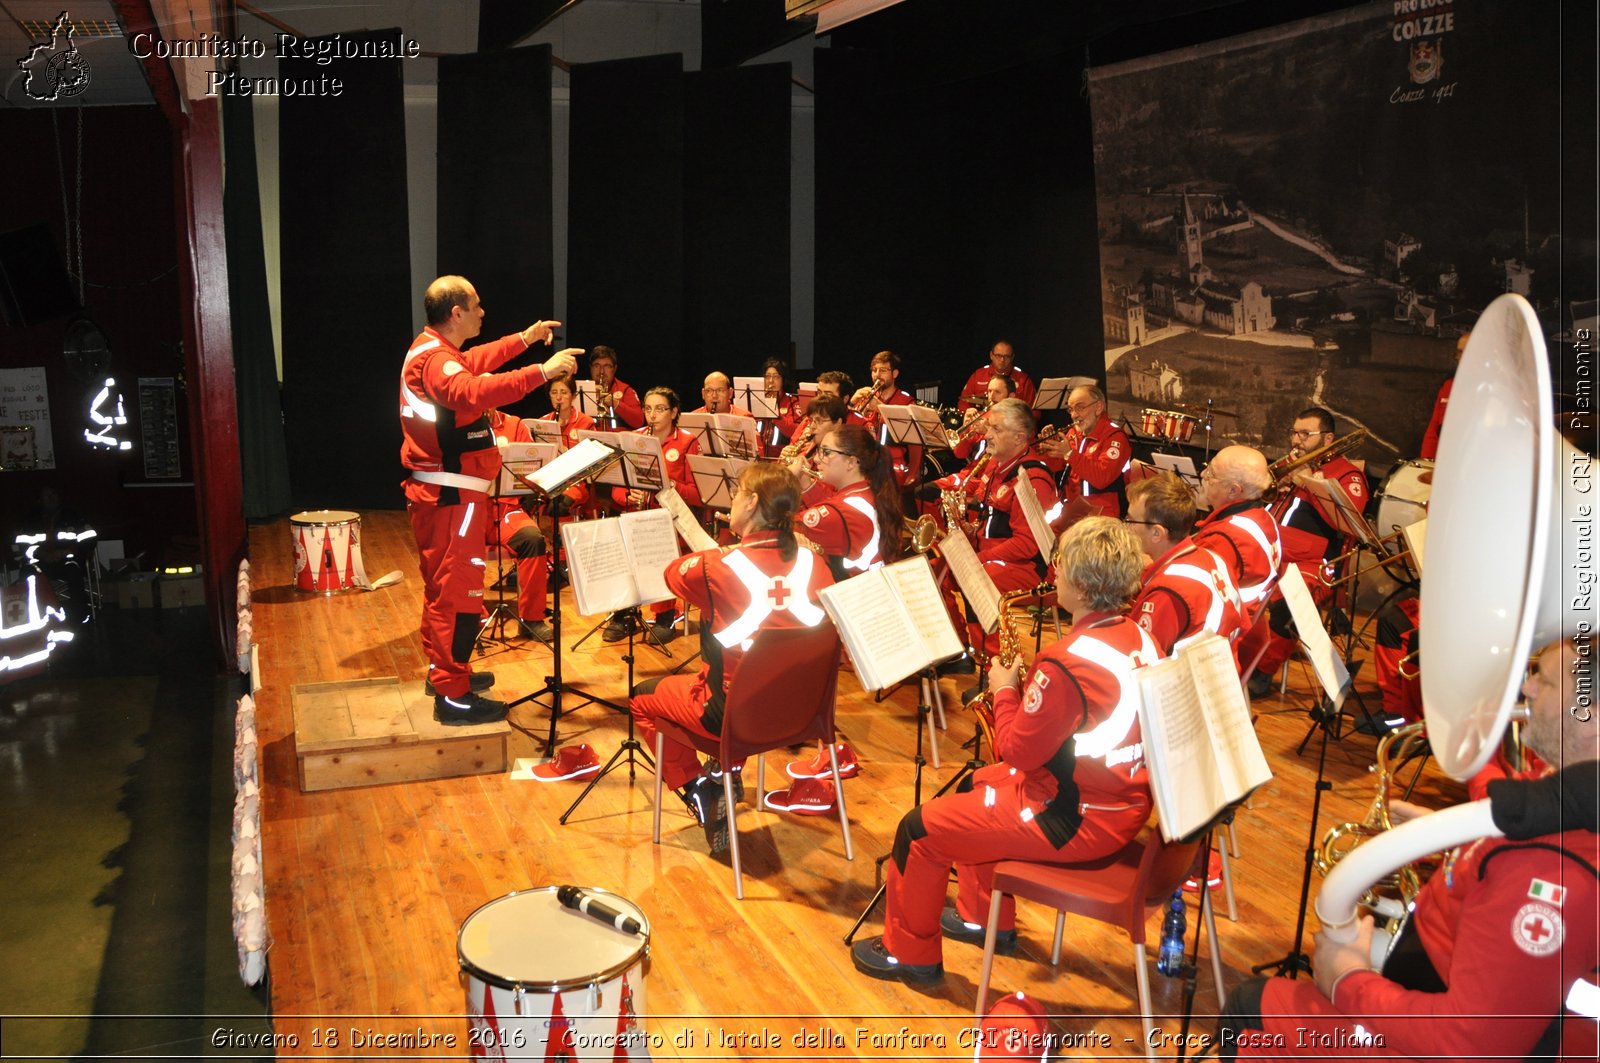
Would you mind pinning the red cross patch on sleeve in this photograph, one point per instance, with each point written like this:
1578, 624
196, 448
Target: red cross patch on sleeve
1113, 452
812, 517
688, 563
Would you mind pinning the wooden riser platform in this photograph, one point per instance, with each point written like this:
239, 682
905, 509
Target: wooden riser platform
368, 886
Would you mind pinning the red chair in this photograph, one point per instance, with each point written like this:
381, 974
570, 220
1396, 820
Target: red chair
1122, 889
783, 695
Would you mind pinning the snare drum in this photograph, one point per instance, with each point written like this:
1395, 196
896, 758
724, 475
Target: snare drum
1403, 499
1179, 427
1151, 422
327, 549
543, 980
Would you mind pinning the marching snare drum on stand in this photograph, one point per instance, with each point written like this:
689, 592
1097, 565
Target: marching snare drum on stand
327, 549
535, 971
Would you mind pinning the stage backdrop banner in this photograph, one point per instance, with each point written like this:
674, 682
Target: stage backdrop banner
1313, 214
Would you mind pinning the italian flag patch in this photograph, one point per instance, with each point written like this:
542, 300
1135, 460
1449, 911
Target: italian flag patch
1547, 891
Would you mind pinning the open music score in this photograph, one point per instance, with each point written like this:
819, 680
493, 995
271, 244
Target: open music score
751, 393
546, 432
620, 562
715, 478
1039, 524
520, 460
1200, 749
684, 520
917, 426
1314, 641
723, 435
982, 596
893, 622
588, 458
642, 463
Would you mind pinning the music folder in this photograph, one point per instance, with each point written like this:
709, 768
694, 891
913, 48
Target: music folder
751, 392
913, 425
519, 460
723, 435
715, 478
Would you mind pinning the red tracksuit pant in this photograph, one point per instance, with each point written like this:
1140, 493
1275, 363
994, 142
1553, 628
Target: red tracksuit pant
450, 555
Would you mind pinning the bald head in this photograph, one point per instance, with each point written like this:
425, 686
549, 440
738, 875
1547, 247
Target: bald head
1236, 474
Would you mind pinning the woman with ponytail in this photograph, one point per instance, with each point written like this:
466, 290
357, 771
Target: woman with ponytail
764, 581
857, 528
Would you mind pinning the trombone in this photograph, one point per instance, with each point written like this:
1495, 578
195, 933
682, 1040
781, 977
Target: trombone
1385, 559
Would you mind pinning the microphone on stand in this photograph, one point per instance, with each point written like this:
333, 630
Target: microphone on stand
581, 900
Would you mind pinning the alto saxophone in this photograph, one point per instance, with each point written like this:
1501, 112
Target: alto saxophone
1010, 650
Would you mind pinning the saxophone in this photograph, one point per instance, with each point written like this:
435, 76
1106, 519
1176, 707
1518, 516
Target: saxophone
1391, 896
1010, 650
797, 444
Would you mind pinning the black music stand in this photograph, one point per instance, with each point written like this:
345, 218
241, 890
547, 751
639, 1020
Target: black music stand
929, 676
629, 751
512, 471
554, 686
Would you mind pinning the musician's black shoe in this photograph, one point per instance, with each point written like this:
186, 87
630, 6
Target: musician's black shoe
958, 929
538, 630
664, 629
714, 773
704, 798
873, 960
1260, 685
619, 625
969, 695
477, 683
1377, 724
471, 709
963, 665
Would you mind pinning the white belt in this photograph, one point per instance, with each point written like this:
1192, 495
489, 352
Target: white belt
454, 479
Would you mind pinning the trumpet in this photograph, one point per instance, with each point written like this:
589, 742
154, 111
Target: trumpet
972, 427
792, 451
866, 403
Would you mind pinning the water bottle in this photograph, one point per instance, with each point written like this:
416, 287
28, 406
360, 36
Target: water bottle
1169, 958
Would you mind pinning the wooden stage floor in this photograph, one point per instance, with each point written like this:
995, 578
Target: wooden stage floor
368, 887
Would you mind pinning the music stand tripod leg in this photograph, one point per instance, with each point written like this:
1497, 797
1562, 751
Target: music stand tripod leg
1297, 961
628, 751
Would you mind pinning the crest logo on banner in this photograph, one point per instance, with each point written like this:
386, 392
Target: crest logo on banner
55, 69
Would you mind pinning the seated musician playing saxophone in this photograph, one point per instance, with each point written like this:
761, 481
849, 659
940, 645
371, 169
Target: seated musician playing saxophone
1005, 542
764, 581
1310, 539
1071, 782
1502, 936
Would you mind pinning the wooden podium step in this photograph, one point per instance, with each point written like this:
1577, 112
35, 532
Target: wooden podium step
364, 732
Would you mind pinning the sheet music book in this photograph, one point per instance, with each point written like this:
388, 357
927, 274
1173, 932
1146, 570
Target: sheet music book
683, 519
1335, 505
1313, 636
642, 465
620, 562
1053, 391
1200, 749
751, 393
893, 622
1181, 464
1044, 538
1415, 535
572, 465
546, 432
723, 435
715, 479
913, 425
521, 460
976, 586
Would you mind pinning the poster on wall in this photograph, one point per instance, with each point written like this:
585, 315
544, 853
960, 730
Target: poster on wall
1313, 215
158, 427
25, 441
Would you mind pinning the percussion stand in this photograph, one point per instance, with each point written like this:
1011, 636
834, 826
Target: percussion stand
630, 750
1325, 715
973, 763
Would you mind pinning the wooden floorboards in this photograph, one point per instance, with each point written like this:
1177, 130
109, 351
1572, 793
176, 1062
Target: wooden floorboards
367, 888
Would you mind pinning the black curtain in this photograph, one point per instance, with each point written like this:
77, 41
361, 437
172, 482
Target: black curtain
347, 303
495, 185
625, 256
736, 219
263, 455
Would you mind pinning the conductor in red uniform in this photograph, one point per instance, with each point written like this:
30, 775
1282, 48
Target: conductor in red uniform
1071, 785
445, 394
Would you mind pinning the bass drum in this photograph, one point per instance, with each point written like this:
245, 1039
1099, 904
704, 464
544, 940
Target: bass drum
939, 463
1403, 499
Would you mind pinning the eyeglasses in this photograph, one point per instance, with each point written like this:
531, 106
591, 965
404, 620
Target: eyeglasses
1079, 407
1147, 523
712, 391
832, 450
657, 409
1302, 433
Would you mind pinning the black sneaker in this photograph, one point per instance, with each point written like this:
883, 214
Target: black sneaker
963, 665
458, 712
714, 773
958, 929
873, 960
1260, 685
618, 626
538, 630
478, 682
705, 799
663, 633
